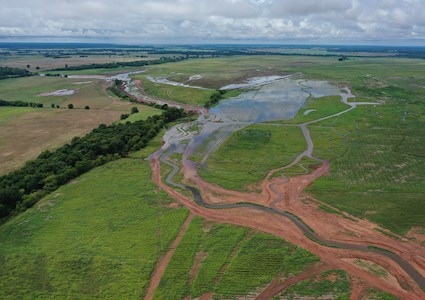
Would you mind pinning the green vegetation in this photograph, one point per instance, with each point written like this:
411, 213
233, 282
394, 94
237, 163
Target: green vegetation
248, 155
20, 103
23, 188
374, 294
259, 260
227, 260
180, 94
6, 72
316, 108
138, 63
29, 89
375, 269
10, 113
143, 113
377, 165
173, 284
99, 236
333, 283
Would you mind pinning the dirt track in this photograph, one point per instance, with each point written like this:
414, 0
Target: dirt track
280, 196
163, 261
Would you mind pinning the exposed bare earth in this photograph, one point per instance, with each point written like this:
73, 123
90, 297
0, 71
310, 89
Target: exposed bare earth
163, 261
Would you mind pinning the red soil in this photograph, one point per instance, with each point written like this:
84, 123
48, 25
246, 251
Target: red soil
290, 196
163, 261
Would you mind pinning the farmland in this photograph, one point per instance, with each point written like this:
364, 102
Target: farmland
124, 230
85, 241
34, 130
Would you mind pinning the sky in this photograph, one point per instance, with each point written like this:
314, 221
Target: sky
380, 22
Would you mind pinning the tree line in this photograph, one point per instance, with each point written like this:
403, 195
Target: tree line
215, 98
6, 72
22, 188
138, 63
20, 103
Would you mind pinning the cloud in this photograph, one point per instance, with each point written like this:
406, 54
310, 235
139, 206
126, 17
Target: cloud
180, 21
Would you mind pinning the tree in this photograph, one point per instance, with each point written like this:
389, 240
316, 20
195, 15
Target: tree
38, 68
28, 66
70, 106
52, 105
87, 107
134, 110
124, 116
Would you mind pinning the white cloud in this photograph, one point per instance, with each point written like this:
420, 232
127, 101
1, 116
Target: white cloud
168, 21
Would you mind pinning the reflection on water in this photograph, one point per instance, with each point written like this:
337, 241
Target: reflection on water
279, 100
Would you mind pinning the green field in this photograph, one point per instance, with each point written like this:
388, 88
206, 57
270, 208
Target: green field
316, 108
180, 94
333, 283
9, 113
98, 236
247, 156
377, 166
231, 262
28, 89
217, 72
144, 113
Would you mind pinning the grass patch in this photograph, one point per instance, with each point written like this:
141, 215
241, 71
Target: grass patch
98, 236
333, 283
28, 89
174, 282
145, 112
248, 155
10, 113
375, 269
316, 108
374, 294
258, 261
180, 94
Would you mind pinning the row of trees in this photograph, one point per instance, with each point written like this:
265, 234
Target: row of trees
6, 72
20, 103
138, 63
23, 188
215, 98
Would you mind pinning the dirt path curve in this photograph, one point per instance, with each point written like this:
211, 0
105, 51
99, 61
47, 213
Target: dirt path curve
276, 286
285, 196
163, 261
276, 225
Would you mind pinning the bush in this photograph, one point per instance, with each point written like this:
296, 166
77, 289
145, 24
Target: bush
124, 116
134, 110
70, 106
87, 107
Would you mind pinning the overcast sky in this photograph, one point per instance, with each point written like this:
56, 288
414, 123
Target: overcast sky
212, 21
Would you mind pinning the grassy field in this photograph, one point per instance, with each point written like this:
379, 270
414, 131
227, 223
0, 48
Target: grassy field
175, 93
316, 108
333, 284
248, 155
10, 113
217, 72
229, 261
98, 236
48, 63
29, 89
377, 166
26, 132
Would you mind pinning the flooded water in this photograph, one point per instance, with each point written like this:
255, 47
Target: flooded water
278, 100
